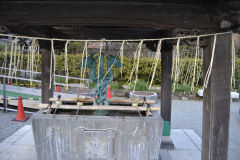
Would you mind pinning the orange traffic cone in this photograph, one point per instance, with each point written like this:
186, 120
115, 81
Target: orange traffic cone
108, 92
21, 117
58, 88
9, 83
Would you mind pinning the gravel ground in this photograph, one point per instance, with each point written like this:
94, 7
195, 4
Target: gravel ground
188, 114
7, 126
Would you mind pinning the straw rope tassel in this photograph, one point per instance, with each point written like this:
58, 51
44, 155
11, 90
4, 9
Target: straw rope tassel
21, 60
206, 79
32, 61
187, 74
11, 56
195, 64
14, 58
152, 67
100, 53
14, 71
158, 52
38, 52
81, 74
5, 59
176, 64
38, 56
19, 56
83, 70
28, 58
139, 53
134, 65
200, 67
17, 63
86, 55
66, 66
121, 54
173, 61
233, 63
52, 68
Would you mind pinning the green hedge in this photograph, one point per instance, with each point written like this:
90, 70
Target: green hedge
144, 73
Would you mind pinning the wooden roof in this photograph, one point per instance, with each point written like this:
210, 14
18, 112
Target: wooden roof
118, 18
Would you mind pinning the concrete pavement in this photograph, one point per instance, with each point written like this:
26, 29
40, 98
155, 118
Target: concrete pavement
20, 146
185, 114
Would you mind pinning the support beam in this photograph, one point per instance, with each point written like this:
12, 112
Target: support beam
102, 13
216, 102
45, 69
166, 87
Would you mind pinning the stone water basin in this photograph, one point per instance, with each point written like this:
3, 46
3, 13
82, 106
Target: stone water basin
87, 137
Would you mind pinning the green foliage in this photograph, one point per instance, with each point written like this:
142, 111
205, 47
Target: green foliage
186, 75
140, 85
144, 72
238, 53
59, 80
2, 48
75, 47
115, 85
237, 74
182, 88
91, 84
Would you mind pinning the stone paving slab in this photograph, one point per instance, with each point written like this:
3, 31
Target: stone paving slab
182, 141
184, 154
194, 138
20, 146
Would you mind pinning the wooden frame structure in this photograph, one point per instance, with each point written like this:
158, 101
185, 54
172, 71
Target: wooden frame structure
141, 19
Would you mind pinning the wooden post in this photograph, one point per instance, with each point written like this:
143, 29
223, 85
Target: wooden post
45, 69
216, 102
166, 87
206, 103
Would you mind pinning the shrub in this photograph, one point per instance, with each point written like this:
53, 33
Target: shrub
91, 84
115, 85
144, 72
59, 80
182, 88
140, 85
